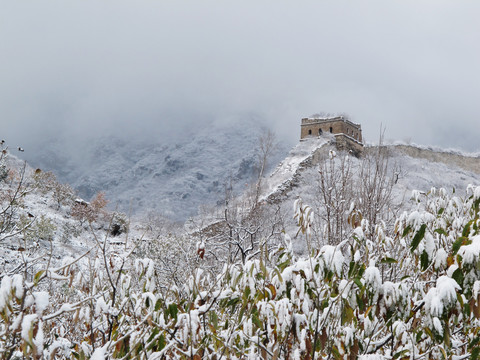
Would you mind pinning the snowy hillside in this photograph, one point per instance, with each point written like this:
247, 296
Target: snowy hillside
173, 177
38, 215
414, 169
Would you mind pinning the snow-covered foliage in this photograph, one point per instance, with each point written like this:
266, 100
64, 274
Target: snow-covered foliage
415, 293
410, 290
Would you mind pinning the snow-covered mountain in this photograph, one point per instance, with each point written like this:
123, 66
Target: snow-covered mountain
169, 177
419, 168
416, 170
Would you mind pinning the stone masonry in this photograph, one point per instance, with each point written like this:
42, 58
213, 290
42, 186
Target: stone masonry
348, 135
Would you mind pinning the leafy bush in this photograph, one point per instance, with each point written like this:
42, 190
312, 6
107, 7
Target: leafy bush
413, 292
92, 211
46, 181
41, 228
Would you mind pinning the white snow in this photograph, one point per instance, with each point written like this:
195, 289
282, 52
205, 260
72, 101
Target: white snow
438, 325
286, 170
39, 338
471, 252
373, 278
27, 324
41, 301
17, 284
371, 357
5, 289
441, 259
442, 296
333, 258
99, 353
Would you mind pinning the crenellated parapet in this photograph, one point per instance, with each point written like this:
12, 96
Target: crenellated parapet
348, 134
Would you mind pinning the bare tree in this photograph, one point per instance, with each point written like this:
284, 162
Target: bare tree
375, 181
344, 189
266, 147
12, 190
334, 195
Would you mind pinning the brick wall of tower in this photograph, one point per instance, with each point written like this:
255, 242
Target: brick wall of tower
312, 127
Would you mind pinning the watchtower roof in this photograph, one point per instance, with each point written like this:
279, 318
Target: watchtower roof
317, 120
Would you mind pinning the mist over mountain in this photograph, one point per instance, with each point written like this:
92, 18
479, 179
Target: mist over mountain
172, 177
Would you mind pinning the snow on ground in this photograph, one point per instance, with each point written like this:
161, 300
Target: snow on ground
286, 170
53, 227
414, 173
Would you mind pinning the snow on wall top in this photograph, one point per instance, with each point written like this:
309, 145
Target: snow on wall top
286, 170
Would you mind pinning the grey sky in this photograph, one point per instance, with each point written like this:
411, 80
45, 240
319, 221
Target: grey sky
155, 67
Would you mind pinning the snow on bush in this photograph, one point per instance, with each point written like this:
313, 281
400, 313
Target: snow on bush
411, 291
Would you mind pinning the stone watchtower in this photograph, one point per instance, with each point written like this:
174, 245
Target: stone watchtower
348, 135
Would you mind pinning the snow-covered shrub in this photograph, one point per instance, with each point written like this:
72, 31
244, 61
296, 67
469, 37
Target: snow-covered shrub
41, 228
46, 182
90, 211
409, 292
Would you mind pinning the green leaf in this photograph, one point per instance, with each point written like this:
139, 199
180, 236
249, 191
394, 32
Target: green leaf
161, 342
158, 304
457, 244
336, 353
458, 276
246, 293
466, 229
277, 271
476, 349
358, 283
388, 260
400, 354
154, 333
173, 310
37, 276
475, 353
214, 319
424, 260
360, 303
233, 302
351, 268
256, 320
441, 231
347, 314
440, 211
324, 304
419, 336
418, 237
406, 231
361, 271
477, 205
241, 313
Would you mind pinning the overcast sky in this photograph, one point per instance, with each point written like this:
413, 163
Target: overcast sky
158, 67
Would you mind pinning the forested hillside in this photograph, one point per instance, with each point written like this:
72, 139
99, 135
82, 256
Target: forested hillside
172, 177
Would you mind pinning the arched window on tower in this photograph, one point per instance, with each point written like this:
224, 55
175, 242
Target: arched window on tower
331, 129
319, 131
310, 132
